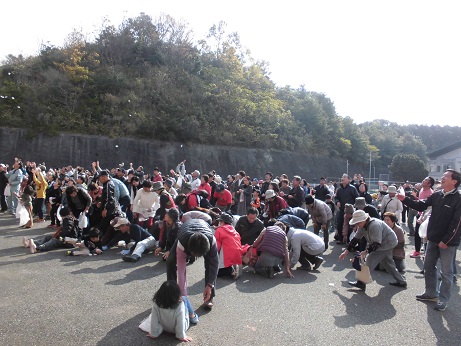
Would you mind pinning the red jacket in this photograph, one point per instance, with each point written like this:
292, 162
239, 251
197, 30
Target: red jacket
276, 205
228, 242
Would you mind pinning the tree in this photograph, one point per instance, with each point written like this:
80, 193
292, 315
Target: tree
408, 167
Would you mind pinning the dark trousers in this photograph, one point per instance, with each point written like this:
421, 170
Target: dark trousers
417, 238
306, 259
39, 207
340, 221
53, 212
3, 200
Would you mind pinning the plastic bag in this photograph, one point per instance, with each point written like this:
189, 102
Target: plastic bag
7, 192
58, 213
423, 229
22, 214
82, 221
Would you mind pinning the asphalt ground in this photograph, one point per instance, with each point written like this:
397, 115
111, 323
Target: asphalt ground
53, 299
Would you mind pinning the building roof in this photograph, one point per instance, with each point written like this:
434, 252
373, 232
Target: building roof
444, 150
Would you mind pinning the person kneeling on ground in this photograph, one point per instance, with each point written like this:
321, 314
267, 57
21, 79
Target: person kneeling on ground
195, 238
56, 241
306, 247
381, 242
143, 240
229, 247
171, 312
272, 247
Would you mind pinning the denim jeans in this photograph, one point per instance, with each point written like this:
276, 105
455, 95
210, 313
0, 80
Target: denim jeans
12, 200
266, 259
446, 256
412, 215
188, 305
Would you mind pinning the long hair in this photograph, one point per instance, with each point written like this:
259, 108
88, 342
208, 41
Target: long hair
168, 295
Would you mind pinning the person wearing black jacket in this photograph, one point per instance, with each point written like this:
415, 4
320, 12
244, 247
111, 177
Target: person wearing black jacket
346, 193
321, 191
3, 183
443, 237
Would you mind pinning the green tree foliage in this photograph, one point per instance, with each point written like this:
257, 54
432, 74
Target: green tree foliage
150, 79
407, 167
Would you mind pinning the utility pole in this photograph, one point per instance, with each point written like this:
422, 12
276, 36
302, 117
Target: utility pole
369, 175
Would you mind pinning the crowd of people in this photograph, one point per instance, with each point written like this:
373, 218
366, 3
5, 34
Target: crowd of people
234, 221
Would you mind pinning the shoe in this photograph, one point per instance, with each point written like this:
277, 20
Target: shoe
358, 284
25, 242
277, 269
441, 306
194, 320
340, 243
306, 267
426, 298
422, 271
39, 220
318, 262
411, 234
131, 258
237, 271
415, 254
398, 284
70, 253
50, 226
32, 246
209, 304
269, 272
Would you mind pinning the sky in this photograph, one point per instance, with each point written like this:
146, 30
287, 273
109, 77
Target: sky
393, 60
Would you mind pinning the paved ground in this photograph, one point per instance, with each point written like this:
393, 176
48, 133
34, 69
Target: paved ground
52, 299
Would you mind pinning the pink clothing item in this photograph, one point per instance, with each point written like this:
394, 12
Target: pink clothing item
181, 258
157, 178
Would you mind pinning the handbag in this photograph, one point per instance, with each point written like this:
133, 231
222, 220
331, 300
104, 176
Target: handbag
364, 273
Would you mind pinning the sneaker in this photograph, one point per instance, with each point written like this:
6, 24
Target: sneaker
441, 306
208, 304
358, 284
317, 264
269, 272
194, 320
306, 267
415, 254
25, 242
50, 226
398, 284
237, 271
277, 269
132, 258
426, 298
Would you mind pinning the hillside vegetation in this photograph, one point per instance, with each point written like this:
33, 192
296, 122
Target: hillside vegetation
150, 79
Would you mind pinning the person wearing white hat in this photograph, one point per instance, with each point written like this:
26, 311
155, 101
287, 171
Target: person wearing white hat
391, 203
381, 243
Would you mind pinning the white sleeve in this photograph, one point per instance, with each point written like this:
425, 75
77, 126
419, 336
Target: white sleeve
155, 327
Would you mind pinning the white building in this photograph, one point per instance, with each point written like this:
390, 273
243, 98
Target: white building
443, 159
